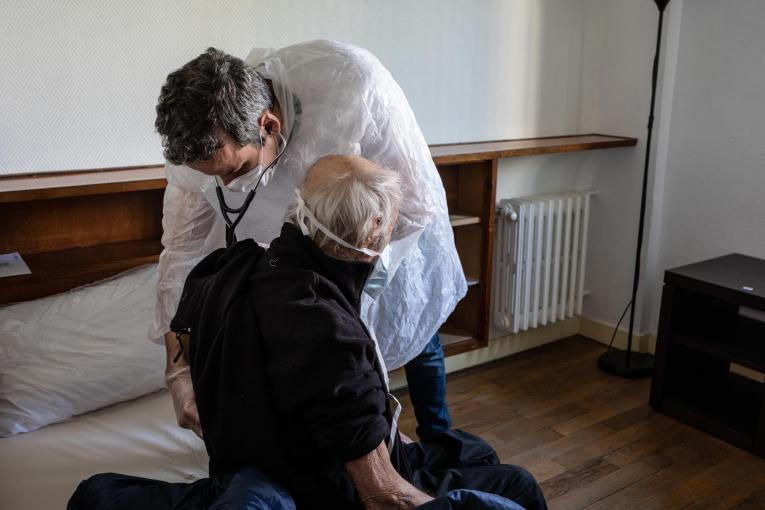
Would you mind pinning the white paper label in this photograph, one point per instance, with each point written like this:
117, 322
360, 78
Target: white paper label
11, 264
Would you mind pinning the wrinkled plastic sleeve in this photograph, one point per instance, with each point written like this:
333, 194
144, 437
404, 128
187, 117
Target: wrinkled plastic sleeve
188, 222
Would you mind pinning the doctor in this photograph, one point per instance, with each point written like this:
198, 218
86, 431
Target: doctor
238, 137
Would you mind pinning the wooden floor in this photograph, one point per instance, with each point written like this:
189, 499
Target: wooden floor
591, 439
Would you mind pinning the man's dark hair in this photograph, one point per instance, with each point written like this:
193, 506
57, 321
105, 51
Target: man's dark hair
215, 91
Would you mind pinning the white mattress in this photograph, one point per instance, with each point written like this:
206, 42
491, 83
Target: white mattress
41, 469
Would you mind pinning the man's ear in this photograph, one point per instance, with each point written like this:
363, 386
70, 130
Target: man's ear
270, 123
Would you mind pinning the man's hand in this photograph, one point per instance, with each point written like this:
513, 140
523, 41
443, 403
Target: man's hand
379, 485
178, 382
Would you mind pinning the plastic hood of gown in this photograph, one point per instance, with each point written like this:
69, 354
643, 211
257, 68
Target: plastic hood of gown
335, 99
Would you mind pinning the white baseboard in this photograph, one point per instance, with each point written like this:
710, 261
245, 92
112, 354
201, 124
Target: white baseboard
601, 332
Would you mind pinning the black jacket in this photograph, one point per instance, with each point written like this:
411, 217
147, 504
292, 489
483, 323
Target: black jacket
285, 373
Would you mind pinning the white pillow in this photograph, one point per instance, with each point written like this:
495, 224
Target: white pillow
64, 355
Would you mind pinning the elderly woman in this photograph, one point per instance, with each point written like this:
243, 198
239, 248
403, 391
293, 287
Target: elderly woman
289, 380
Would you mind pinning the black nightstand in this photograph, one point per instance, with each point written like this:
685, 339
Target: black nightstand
711, 331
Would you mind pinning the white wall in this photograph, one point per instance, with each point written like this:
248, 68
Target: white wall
80, 79
708, 167
625, 57
714, 183
616, 65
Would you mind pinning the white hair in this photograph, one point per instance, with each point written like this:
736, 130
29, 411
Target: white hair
357, 206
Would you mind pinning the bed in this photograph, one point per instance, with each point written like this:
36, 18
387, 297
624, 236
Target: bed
64, 226
40, 470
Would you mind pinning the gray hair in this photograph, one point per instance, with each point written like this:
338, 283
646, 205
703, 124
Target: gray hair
359, 207
213, 93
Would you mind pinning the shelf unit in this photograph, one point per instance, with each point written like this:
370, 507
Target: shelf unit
469, 174
470, 196
704, 334
74, 228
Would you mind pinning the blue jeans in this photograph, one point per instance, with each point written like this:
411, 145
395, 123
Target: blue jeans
426, 376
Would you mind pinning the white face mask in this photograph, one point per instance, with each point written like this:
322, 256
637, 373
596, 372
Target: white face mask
378, 279
247, 181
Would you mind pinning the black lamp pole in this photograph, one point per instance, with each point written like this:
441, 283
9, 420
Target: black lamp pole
615, 361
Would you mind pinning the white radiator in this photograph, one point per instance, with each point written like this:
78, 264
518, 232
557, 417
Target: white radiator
541, 248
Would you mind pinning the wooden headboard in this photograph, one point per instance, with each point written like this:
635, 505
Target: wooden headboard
74, 228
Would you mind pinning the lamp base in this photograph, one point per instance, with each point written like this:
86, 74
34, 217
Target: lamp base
615, 362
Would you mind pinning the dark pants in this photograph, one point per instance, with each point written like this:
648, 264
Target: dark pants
466, 499
444, 466
456, 460
426, 377
247, 489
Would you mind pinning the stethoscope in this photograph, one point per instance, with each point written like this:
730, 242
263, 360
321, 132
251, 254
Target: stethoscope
240, 211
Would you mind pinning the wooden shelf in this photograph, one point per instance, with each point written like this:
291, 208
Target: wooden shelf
452, 335
484, 151
36, 186
744, 344
722, 403
456, 340
460, 220
726, 422
20, 188
59, 271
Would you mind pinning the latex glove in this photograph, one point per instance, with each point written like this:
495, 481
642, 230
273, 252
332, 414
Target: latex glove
178, 382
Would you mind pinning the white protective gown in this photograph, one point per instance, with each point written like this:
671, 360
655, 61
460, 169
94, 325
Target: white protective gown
335, 98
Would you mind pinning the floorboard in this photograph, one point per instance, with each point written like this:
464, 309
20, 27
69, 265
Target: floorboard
591, 439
